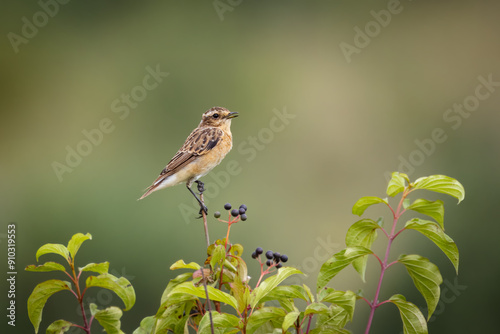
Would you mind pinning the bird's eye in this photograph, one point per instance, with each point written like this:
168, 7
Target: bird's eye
215, 115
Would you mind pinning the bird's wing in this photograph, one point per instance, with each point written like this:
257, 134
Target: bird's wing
199, 142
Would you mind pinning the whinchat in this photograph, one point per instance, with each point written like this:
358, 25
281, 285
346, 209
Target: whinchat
204, 149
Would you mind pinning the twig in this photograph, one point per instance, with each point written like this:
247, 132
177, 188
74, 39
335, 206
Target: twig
205, 224
203, 213
208, 299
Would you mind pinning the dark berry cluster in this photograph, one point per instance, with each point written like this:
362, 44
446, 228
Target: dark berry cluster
234, 212
272, 257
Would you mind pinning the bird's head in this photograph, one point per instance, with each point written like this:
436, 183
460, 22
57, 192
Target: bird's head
217, 116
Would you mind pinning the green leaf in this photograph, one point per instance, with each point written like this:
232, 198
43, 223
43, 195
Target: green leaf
271, 283
182, 265
221, 321
406, 203
337, 262
364, 202
441, 184
242, 269
426, 277
413, 320
168, 319
343, 299
54, 249
228, 265
59, 327
173, 283
290, 319
108, 318
433, 209
309, 293
47, 266
76, 241
262, 316
121, 286
434, 232
335, 319
146, 325
236, 250
241, 293
100, 268
218, 254
362, 233
397, 183
213, 293
316, 308
39, 296
287, 292
329, 330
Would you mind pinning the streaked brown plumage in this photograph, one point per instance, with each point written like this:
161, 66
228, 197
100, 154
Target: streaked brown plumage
204, 149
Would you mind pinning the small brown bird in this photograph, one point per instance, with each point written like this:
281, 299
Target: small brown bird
204, 149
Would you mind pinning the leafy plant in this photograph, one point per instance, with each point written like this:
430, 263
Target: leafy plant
217, 296
108, 318
425, 274
239, 307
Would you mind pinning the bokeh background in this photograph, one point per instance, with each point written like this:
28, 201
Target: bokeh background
317, 130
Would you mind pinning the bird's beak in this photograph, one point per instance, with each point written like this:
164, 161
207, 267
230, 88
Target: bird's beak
232, 114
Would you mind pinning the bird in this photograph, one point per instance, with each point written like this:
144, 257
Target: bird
203, 150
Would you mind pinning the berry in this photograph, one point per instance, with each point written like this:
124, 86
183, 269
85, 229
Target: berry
279, 265
244, 217
216, 214
227, 206
269, 254
234, 213
254, 255
269, 263
284, 258
242, 211
259, 250
243, 206
277, 256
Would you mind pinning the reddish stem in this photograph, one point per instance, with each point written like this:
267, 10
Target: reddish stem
309, 324
79, 296
383, 265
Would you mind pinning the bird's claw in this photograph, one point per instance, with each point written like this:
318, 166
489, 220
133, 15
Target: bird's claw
202, 209
201, 186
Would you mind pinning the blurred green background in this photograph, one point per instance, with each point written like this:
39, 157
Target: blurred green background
317, 130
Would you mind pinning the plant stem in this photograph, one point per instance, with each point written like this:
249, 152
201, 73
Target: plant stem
309, 324
204, 215
208, 301
383, 265
79, 296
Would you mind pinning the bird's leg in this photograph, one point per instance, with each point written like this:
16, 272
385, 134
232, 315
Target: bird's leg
201, 189
202, 206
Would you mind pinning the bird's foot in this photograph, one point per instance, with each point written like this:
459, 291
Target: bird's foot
201, 186
203, 209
